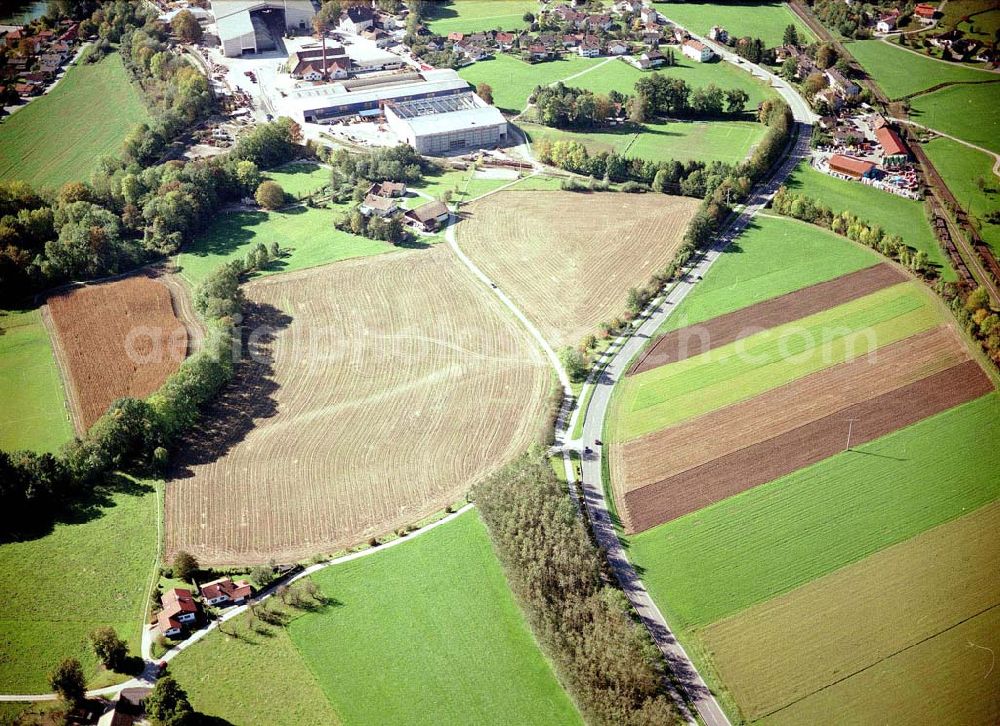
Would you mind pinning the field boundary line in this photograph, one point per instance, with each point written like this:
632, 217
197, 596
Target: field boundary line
148, 677
884, 658
71, 396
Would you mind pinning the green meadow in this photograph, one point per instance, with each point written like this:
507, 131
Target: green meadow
895, 214
36, 416
61, 136
901, 73
90, 572
764, 20
300, 178
513, 80
472, 16
966, 112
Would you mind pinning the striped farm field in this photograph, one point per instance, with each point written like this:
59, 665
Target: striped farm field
372, 403
568, 259
785, 650
773, 257
670, 394
766, 541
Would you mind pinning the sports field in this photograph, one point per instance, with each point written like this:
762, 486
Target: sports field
747, 272
306, 236
966, 112
900, 73
569, 278
426, 632
895, 214
35, 415
764, 20
61, 136
80, 576
617, 75
962, 168
472, 16
374, 405
729, 141
513, 80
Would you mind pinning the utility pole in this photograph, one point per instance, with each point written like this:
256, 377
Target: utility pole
850, 430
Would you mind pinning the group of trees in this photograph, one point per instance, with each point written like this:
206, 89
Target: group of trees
388, 229
397, 163
126, 215
559, 577
847, 19
564, 106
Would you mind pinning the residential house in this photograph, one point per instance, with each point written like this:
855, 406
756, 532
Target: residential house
617, 47
471, 50
539, 52
696, 50
590, 46
649, 15
626, 7
572, 41
652, 38
336, 68
945, 39
831, 98
378, 206
651, 59
380, 37
386, 21
129, 708
887, 22
388, 189
25, 90
841, 84
179, 611
719, 34
427, 217
894, 149
224, 592
602, 22
356, 18
456, 37
504, 40
925, 12
851, 168
680, 35
566, 14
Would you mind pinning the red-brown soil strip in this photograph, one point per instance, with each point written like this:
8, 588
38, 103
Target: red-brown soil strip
758, 464
117, 339
724, 329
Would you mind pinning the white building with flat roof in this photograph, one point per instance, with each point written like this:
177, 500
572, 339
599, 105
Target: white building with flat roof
444, 125
248, 26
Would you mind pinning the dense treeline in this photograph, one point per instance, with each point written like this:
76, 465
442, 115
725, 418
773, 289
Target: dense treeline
603, 657
133, 435
396, 163
892, 246
126, 215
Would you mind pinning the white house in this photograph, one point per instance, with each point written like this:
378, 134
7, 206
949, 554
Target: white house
590, 47
356, 18
617, 47
696, 50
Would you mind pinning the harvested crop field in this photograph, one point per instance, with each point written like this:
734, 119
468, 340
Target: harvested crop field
789, 648
116, 339
377, 399
695, 339
750, 466
568, 259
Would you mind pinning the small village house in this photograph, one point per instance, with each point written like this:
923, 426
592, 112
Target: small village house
179, 611
590, 47
719, 34
925, 12
651, 59
427, 217
696, 50
617, 47
356, 18
378, 206
841, 84
224, 592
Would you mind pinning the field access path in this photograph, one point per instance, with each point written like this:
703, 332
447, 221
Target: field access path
608, 371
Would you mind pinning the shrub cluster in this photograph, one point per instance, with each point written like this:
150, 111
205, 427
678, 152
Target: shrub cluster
557, 573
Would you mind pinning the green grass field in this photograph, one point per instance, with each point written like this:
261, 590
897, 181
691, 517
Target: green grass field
780, 651
513, 80
766, 21
772, 538
436, 622
771, 258
426, 632
62, 135
896, 215
966, 112
35, 415
471, 16
463, 185
621, 76
900, 73
962, 168
728, 141
307, 237
669, 394
59, 587
300, 178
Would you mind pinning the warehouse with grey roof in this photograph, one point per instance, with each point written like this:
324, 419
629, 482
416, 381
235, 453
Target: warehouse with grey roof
255, 26
443, 125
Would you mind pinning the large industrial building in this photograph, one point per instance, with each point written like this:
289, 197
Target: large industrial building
447, 124
253, 26
367, 96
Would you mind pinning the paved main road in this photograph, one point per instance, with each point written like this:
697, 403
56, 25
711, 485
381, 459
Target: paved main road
683, 669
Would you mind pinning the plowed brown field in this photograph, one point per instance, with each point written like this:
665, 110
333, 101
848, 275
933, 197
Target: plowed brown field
116, 339
568, 259
724, 329
748, 466
391, 385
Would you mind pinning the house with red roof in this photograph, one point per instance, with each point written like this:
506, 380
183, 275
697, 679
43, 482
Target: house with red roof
850, 167
226, 592
179, 611
894, 149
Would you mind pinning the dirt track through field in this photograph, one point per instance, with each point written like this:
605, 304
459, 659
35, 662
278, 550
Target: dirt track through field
568, 259
116, 339
724, 329
762, 462
390, 385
